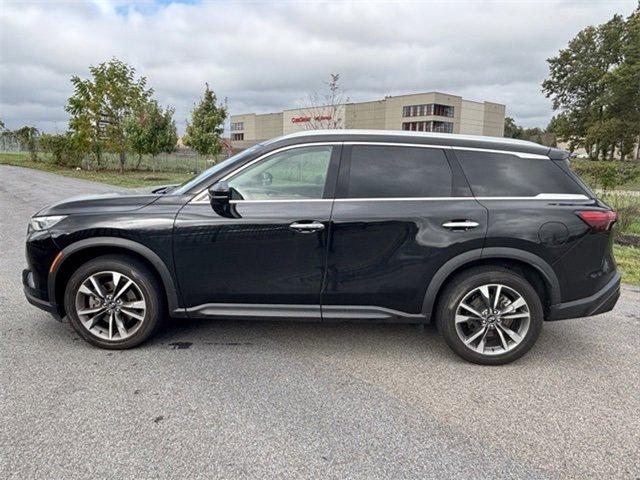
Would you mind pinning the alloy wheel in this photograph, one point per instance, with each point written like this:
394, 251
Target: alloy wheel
492, 319
110, 305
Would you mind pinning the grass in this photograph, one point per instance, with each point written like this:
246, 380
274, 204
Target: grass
130, 179
628, 260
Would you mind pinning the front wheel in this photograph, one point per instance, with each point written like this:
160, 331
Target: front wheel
490, 315
114, 302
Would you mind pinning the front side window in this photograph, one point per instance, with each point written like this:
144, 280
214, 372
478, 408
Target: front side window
507, 175
295, 174
397, 172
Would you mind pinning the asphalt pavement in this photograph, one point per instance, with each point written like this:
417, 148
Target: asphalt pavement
235, 400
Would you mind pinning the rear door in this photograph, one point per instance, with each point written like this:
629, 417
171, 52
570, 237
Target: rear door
401, 211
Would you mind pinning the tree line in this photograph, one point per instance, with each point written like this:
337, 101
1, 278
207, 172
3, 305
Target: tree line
114, 111
594, 84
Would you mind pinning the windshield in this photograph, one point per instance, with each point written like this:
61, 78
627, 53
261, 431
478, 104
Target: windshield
189, 184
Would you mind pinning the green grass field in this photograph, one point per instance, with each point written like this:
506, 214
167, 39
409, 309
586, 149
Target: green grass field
628, 260
130, 179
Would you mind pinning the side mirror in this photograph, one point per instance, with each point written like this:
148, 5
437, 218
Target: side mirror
219, 194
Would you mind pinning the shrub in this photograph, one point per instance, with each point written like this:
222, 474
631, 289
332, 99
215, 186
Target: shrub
606, 175
64, 149
628, 208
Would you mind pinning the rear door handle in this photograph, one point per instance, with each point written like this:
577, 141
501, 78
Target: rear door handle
460, 224
307, 227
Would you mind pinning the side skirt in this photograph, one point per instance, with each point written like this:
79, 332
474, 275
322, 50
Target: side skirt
304, 313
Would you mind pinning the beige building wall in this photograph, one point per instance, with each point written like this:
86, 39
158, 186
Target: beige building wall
494, 114
367, 115
472, 118
469, 117
249, 122
268, 125
394, 118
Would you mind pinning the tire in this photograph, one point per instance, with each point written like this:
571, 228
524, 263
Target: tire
477, 288
117, 327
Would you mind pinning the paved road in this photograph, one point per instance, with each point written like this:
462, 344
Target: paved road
286, 400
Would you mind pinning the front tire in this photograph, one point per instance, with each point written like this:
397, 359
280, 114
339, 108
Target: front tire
490, 315
114, 302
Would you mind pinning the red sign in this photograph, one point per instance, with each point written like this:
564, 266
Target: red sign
308, 119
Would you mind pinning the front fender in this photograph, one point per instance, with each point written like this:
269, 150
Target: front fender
124, 244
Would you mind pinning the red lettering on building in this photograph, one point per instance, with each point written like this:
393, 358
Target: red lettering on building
308, 119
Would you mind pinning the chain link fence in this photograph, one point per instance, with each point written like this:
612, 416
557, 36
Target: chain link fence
181, 161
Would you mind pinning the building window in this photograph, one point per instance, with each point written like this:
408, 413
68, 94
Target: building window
237, 136
442, 110
441, 127
427, 109
434, 126
237, 126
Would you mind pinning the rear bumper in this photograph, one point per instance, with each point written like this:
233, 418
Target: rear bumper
33, 296
600, 302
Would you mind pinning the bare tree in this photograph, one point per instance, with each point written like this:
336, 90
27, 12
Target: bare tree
326, 111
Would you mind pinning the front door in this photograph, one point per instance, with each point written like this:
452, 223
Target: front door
400, 212
265, 254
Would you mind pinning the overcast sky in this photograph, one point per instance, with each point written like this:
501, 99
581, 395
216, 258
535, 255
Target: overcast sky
267, 56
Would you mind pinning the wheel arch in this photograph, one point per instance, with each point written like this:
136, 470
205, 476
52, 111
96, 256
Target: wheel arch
534, 268
81, 251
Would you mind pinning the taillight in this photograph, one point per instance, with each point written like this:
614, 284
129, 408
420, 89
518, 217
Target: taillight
599, 220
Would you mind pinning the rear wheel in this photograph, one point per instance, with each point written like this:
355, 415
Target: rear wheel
114, 302
490, 315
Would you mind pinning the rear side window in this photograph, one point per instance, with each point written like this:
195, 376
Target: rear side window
505, 175
397, 172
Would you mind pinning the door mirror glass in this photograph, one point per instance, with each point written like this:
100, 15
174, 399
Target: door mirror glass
219, 193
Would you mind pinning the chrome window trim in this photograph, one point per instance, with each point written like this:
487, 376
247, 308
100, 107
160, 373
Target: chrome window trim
397, 144
539, 197
535, 156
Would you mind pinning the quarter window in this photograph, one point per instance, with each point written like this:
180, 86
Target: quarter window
397, 172
299, 173
507, 175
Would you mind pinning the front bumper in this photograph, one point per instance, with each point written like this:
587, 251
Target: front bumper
34, 295
600, 302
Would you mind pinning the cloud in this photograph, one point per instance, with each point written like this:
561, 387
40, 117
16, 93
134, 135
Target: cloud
266, 57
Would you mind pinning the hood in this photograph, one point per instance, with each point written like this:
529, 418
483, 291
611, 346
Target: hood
110, 202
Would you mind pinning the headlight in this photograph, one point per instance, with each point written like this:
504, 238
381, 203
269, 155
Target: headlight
43, 223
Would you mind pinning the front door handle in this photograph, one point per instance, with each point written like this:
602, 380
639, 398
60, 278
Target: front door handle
307, 227
460, 224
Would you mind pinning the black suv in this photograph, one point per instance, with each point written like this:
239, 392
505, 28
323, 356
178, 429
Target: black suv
488, 237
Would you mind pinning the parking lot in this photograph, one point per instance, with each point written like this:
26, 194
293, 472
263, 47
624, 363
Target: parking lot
233, 399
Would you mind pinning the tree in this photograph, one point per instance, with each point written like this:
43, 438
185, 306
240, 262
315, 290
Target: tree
511, 129
204, 131
535, 134
151, 131
28, 139
593, 83
326, 111
100, 105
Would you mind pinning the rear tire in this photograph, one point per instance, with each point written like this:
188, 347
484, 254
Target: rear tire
114, 302
489, 315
